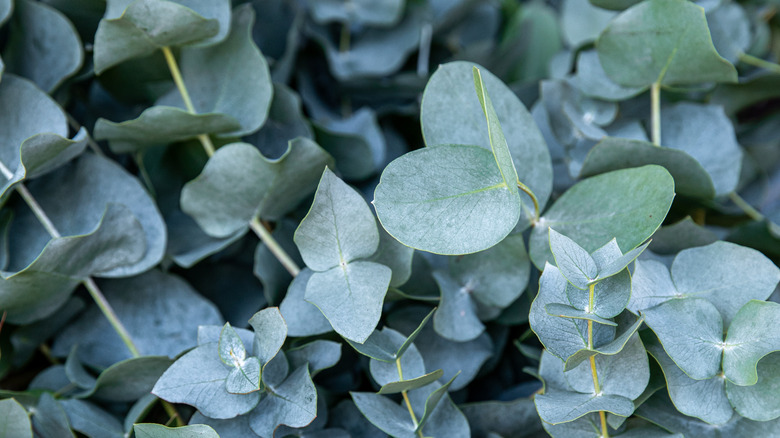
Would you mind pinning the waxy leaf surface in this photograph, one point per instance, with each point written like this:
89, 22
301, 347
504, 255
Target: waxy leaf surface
13, 417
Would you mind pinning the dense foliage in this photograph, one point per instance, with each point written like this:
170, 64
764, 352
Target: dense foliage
415, 218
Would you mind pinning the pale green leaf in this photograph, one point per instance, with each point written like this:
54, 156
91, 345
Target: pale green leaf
627, 205
450, 114
320, 354
384, 414
581, 23
161, 125
704, 399
665, 41
558, 406
230, 77
564, 311
394, 255
245, 378
302, 317
365, 12
50, 419
91, 420
446, 199
13, 417
146, 26
43, 45
572, 260
410, 384
456, 318
231, 349
338, 229
759, 402
411, 363
382, 345
128, 380
350, 297
749, 339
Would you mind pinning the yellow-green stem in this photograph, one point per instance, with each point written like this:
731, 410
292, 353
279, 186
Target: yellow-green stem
93, 289
747, 208
655, 107
592, 359
345, 38
274, 247
172, 413
761, 63
204, 139
530, 193
406, 398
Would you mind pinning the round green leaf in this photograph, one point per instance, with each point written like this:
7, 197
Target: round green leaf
593, 81
748, 341
451, 114
447, 199
690, 178
456, 318
270, 333
628, 205
364, 12
302, 318
151, 430
292, 403
759, 402
664, 41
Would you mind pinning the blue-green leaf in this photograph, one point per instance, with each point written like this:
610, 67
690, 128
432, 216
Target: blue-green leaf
749, 340
292, 403
151, 430
13, 417
270, 333
574, 262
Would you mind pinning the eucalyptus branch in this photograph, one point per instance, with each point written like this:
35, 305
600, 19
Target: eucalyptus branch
758, 62
592, 359
208, 146
655, 108
746, 207
89, 283
406, 398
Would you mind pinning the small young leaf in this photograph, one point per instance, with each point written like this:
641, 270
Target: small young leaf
456, 318
410, 384
14, 419
150, 430
575, 263
411, 364
270, 333
665, 41
231, 349
448, 199
245, 377
432, 401
564, 311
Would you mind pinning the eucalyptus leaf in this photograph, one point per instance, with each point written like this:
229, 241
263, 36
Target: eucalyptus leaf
690, 178
704, 399
564, 311
138, 30
50, 418
562, 406
355, 142
285, 122
574, 262
384, 414
637, 200
664, 41
456, 318
128, 380
592, 80
748, 341
245, 378
339, 227
730, 29
410, 384
91, 420
320, 355
511, 418
231, 348
350, 297
198, 379
39, 288
6, 7
447, 200
449, 114
383, 344
394, 255
150, 430
161, 125
708, 136
231, 77
411, 363
233, 428
14, 419
292, 403
581, 22
758, 402
270, 333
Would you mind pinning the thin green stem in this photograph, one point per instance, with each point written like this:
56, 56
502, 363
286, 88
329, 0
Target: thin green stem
406, 398
205, 140
173, 414
655, 107
761, 63
345, 38
592, 359
274, 247
747, 208
530, 193
107, 310
93, 289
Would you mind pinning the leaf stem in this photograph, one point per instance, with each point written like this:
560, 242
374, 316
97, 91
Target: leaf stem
530, 193
655, 108
746, 207
758, 62
172, 413
108, 311
205, 140
406, 398
273, 246
592, 360
345, 38
93, 289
